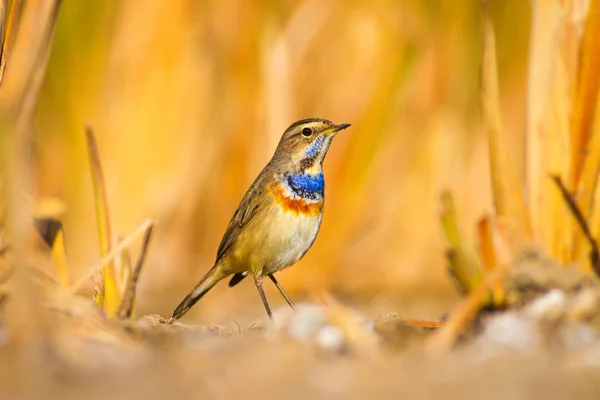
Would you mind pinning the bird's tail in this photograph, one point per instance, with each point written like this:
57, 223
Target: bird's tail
206, 283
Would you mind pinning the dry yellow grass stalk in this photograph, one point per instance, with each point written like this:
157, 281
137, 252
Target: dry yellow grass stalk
585, 93
582, 223
486, 229
124, 268
109, 297
59, 258
555, 228
486, 243
594, 211
585, 140
464, 264
3, 12
127, 306
588, 193
507, 191
540, 55
9, 15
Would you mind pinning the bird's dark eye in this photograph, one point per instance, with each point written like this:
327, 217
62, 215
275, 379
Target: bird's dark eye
306, 132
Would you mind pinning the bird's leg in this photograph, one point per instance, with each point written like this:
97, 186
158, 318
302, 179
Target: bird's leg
283, 293
258, 282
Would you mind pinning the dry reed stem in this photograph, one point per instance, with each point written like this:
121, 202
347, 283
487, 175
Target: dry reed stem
556, 228
486, 243
540, 57
109, 297
594, 211
583, 140
586, 92
464, 264
555, 41
581, 221
585, 124
3, 12
124, 268
127, 306
508, 197
9, 16
59, 258
486, 229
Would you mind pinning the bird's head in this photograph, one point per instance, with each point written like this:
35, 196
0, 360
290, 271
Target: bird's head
304, 144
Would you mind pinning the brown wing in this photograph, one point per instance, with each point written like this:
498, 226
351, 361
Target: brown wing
254, 200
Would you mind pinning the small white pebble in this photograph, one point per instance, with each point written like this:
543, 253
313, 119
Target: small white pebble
513, 331
330, 338
305, 322
550, 306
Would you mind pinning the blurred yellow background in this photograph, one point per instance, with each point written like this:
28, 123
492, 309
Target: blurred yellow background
189, 98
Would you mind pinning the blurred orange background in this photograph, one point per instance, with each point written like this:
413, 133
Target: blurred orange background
189, 98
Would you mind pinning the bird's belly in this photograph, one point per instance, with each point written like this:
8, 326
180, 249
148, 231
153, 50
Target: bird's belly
276, 242
290, 238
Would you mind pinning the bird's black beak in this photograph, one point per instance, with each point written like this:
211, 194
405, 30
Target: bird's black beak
337, 128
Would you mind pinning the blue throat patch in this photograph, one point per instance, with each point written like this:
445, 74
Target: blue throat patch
310, 187
314, 147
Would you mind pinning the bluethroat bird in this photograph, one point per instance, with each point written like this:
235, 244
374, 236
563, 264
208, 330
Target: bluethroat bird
278, 218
